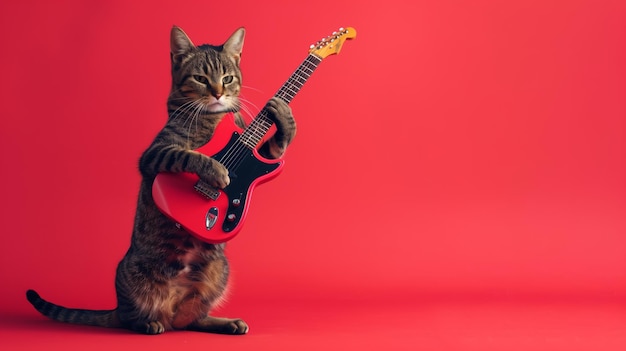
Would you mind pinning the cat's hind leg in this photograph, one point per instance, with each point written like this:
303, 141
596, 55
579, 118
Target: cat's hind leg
218, 325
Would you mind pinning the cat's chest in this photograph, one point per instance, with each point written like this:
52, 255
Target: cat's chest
187, 260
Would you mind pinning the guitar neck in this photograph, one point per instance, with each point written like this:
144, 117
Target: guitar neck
293, 85
255, 132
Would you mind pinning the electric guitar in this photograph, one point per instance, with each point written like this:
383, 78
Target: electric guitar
217, 215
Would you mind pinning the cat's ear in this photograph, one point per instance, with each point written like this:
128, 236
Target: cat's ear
180, 44
234, 44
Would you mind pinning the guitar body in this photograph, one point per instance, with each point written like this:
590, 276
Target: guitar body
218, 219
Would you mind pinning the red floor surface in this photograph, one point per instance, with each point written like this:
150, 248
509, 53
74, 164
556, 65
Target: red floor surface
430, 324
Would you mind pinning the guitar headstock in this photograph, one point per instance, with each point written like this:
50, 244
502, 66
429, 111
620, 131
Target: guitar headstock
332, 43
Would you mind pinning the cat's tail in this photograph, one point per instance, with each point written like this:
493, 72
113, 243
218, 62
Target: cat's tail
107, 318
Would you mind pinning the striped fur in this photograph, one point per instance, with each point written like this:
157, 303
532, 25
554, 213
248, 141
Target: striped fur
106, 318
168, 279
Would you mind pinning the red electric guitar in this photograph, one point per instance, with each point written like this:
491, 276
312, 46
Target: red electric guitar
217, 215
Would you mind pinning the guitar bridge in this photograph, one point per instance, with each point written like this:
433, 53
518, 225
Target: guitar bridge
208, 191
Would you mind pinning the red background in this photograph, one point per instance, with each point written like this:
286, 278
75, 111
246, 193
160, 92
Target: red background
458, 180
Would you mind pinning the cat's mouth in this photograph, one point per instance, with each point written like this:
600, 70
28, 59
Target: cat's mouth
219, 105
215, 105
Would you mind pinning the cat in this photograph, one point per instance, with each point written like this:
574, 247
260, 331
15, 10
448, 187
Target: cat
168, 279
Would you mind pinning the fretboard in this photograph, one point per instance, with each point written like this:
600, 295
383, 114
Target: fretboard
255, 132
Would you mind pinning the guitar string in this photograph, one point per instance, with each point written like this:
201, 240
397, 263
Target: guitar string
287, 93
255, 133
240, 147
257, 129
247, 138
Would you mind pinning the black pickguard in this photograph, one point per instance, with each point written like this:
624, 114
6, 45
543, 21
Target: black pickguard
242, 174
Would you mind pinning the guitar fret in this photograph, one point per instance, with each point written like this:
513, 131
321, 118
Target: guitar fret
257, 135
255, 132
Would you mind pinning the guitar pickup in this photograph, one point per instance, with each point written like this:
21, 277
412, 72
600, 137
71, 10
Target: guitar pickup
208, 191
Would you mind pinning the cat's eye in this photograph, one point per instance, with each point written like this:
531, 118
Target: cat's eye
201, 79
227, 79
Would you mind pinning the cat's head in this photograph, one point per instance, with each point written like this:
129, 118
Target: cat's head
206, 74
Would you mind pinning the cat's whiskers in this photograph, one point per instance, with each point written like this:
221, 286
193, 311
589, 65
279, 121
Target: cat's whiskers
247, 102
246, 112
199, 106
182, 109
188, 111
246, 106
251, 88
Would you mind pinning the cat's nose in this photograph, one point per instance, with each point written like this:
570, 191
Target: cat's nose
217, 95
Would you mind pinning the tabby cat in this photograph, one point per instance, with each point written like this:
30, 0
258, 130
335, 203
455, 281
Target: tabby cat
168, 279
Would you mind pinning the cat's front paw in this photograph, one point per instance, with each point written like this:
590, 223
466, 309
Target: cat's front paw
215, 174
280, 113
